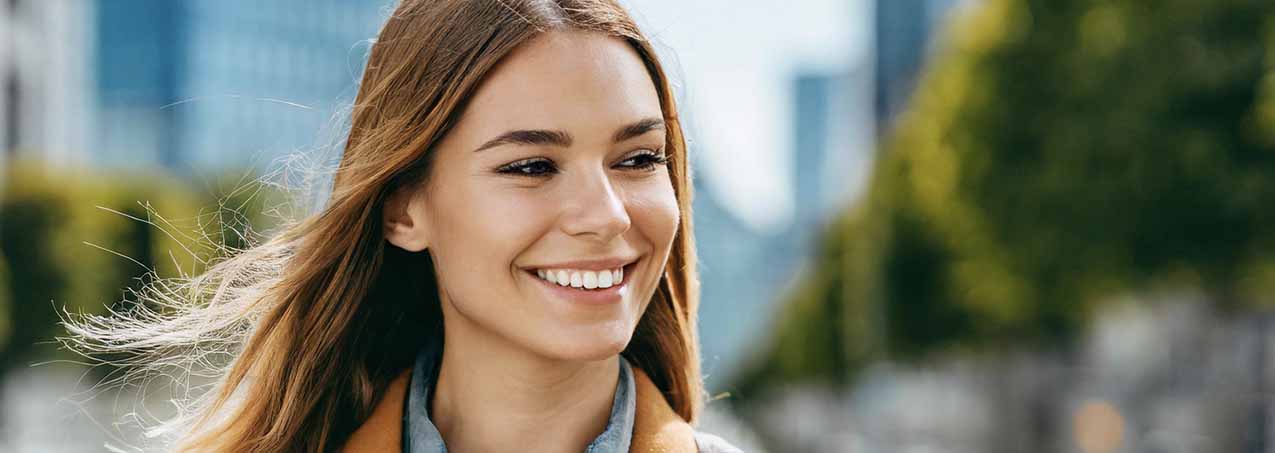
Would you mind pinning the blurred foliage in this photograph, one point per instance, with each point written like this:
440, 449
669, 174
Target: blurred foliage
4, 304
1054, 155
79, 241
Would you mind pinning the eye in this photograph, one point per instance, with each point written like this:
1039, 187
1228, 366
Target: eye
645, 160
537, 166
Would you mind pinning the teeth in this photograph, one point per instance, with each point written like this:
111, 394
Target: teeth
583, 278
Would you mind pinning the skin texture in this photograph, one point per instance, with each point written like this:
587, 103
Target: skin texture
516, 358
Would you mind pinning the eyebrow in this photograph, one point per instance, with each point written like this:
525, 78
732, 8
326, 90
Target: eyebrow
542, 137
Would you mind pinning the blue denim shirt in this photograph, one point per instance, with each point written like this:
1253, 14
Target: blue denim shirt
421, 436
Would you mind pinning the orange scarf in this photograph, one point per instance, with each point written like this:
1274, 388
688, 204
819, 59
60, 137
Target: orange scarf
656, 428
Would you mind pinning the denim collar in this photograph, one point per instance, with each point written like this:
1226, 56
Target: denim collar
421, 436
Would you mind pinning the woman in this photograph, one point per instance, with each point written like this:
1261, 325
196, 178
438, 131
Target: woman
505, 262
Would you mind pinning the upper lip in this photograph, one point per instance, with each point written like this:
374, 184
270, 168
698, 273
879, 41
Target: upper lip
589, 265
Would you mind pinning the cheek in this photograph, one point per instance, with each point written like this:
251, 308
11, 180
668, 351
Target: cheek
482, 230
655, 214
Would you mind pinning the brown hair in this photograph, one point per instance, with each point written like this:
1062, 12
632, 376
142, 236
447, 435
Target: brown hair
327, 290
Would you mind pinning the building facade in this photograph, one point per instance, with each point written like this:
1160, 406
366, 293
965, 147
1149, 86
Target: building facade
45, 81
208, 85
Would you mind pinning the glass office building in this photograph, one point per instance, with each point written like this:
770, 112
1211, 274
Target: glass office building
207, 85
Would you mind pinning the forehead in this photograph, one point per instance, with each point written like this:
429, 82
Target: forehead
582, 82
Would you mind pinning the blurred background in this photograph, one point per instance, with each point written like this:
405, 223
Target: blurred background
923, 225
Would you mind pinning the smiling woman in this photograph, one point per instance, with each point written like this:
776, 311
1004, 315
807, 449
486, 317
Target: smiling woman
505, 262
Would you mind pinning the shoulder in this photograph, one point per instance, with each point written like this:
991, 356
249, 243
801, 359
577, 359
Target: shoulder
708, 443
382, 430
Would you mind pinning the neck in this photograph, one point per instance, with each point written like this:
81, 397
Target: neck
493, 396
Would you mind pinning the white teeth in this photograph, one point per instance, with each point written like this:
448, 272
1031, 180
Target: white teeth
582, 278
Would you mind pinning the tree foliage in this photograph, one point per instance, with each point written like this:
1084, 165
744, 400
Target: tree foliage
1054, 155
83, 241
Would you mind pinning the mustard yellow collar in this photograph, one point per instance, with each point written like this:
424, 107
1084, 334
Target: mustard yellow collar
656, 428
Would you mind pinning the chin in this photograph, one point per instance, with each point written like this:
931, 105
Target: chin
588, 345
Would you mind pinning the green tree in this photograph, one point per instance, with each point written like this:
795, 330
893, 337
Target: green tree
84, 241
1054, 154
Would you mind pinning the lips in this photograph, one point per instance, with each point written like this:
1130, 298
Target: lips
582, 294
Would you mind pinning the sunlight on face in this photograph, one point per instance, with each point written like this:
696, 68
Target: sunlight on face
556, 166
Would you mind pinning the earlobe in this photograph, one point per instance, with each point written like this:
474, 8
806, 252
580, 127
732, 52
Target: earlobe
405, 237
403, 222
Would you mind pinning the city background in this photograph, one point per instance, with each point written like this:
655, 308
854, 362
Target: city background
923, 225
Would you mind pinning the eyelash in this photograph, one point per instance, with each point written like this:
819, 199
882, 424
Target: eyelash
520, 168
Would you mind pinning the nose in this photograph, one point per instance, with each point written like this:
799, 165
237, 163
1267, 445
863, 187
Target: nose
594, 208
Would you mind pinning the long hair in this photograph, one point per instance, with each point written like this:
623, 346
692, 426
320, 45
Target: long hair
318, 319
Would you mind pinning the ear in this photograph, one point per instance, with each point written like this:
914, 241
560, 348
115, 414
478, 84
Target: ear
403, 220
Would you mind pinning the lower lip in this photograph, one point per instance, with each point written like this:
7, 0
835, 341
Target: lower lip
598, 296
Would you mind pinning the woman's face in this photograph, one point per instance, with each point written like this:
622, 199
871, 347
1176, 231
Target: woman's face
550, 187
